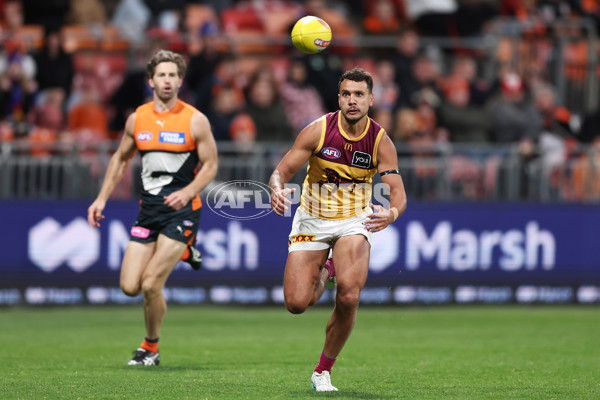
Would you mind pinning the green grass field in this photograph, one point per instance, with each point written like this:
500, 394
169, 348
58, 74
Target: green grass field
265, 353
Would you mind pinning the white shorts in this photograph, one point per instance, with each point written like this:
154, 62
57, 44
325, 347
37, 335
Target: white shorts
314, 233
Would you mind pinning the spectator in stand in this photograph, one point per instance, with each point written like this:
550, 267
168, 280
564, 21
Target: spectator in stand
407, 50
385, 89
243, 137
385, 117
555, 131
17, 93
227, 101
87, 12
466, 68
243, 133
301, 101
48, 121
12, 18
536, 75
98, 71
516, 121
385, 92
49, 113
14, 46
263, 105
428, 103
420, 124
424, 77
417, 129
465, 123
513, 118
383, 18
58, 69
17, 49
324, 70
88, 119
132, 17
405, 127
203, 64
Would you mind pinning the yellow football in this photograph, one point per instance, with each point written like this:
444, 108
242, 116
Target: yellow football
311, 35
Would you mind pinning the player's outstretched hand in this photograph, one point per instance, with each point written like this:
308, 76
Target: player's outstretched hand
379, 219
95, 213
279, 200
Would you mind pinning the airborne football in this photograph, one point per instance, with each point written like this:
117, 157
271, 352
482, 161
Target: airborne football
311, 35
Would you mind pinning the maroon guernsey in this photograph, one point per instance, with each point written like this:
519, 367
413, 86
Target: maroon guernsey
340, 170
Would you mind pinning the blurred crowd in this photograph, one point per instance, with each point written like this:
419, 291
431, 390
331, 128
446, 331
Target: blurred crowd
72, 70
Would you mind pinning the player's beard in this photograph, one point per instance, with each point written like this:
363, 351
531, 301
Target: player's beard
353, 119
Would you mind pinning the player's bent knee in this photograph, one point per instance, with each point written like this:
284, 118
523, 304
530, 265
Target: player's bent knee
348, 300
295, 308
130, 290
150, 287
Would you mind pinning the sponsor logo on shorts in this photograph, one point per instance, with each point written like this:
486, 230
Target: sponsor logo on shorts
144, 136
171, 137
331, 153
188, 223
361, 159
140, 232
301, 238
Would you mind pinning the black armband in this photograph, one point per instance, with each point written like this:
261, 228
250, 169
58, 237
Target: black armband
389, 171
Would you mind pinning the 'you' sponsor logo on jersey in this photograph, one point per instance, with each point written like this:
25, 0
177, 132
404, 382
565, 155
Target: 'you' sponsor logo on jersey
361, 159
172, 137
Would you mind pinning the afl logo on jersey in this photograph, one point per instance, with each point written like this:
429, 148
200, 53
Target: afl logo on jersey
331, 152
144, 136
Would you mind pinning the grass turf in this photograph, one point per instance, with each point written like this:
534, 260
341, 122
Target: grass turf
265, 353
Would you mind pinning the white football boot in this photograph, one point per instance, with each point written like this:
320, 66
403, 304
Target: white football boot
322, 382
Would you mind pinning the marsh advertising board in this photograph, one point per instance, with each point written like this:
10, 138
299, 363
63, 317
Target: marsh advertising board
435, 253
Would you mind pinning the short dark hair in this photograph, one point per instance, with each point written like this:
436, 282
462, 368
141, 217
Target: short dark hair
165, 56
357, 74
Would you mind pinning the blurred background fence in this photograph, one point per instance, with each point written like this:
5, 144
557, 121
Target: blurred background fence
438, 172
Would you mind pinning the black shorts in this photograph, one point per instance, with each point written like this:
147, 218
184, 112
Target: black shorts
181, 225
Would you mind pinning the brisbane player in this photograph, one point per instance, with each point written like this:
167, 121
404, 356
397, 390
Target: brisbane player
344, 150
